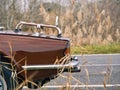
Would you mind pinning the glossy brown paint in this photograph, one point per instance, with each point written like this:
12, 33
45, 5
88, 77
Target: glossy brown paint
33, 51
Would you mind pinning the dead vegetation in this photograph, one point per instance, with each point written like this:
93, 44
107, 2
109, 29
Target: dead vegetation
84, 22
68, 78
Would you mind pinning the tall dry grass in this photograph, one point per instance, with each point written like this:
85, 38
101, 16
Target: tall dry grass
95, 22
68, 79
86, 24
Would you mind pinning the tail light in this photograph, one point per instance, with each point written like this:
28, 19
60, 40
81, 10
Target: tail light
67, 51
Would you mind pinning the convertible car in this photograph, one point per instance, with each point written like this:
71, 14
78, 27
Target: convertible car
33, 58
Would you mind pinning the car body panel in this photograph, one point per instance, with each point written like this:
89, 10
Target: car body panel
36, 56
33, 51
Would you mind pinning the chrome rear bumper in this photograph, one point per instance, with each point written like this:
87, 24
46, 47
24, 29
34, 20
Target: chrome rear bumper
71, 66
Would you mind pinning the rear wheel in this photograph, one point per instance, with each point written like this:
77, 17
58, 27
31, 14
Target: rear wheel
7, 73
3, 85
9, 78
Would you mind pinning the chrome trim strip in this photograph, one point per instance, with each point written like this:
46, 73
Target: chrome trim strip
72, 64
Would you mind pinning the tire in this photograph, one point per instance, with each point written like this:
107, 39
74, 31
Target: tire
7, 73
10, 81
3, 85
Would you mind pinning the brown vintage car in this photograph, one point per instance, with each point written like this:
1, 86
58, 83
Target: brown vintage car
35, 57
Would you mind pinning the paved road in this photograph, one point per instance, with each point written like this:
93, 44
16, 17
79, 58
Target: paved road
96, 71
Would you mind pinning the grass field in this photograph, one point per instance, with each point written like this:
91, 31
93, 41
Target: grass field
96, 49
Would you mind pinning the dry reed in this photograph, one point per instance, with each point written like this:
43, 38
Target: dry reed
85, 25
